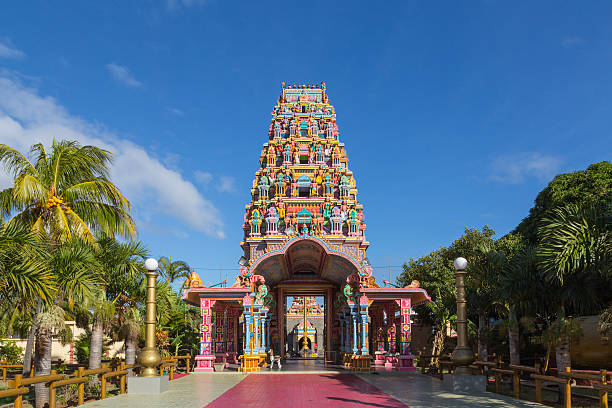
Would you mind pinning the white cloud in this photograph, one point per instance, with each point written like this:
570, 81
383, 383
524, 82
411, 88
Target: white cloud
175, 111
173, 5
203, 177
223, 184
516, 168
569, 42
123, 75
27, 118
226, 184
8, 50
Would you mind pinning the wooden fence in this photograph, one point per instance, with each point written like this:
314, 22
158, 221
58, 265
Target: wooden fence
495, 370
19, 386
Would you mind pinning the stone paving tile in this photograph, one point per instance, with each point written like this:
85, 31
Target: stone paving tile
418, 391
192, 391
305, 391
308, 390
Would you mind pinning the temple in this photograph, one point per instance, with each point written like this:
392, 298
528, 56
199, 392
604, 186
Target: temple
304, 239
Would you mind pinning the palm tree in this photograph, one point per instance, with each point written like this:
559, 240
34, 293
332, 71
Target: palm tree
485, 268
25, 276
172, 270
121, 263
47, 323
575, 255
519, 286
64, 195
130, 331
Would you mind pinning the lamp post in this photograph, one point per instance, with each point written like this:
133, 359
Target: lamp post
462, 355
149, 357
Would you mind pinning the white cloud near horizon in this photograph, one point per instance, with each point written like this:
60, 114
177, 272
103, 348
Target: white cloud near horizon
223, 184
27, 118
123, 75
8, 50
517, 168
571, 41
173, 5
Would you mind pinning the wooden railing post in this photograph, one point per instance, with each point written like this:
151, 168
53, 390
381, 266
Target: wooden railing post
567, 395
52, 396
516, 384
4, 368
102, 383
122, 379
538, 384
19, 399
603, 395
497, 381
81, 389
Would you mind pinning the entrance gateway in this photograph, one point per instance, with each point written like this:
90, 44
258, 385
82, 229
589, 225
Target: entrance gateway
305, 285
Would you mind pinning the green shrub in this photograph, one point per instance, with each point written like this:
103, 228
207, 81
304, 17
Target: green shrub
11, 353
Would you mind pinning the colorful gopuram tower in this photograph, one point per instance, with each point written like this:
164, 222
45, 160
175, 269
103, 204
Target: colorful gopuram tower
304, 184
304, 238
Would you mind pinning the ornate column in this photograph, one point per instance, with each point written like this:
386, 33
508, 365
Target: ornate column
256, 344
363, 309
406, 359
280, 315
354, 315
341, 319
347, 338
264, 318
248, 314
205, 360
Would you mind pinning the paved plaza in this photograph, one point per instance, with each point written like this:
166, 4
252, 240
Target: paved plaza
308, 388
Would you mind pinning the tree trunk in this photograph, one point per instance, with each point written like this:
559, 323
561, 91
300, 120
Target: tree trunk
42, 364
562, 354
95, 344
27, 357
482, 341
130, 351
513, 338
438, 344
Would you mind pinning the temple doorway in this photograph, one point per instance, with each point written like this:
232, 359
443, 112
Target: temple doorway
307, 343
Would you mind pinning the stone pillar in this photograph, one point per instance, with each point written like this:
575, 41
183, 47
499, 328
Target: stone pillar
354, 315
347, 338
406, 359
329, 322
280, 315
341, 319
363, 309
264, 318
247, 329
256, 343
205, 359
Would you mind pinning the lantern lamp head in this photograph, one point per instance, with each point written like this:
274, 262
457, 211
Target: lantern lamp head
151, 264
460, 264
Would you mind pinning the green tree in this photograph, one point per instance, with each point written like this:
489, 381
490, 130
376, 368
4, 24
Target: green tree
590, 187
173, 270
575, 257
436, 275
121, 263
130, 330
64, 195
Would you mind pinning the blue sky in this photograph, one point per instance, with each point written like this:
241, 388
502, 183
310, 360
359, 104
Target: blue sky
454, 114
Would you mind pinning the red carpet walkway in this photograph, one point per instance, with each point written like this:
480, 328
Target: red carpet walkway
304, 391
